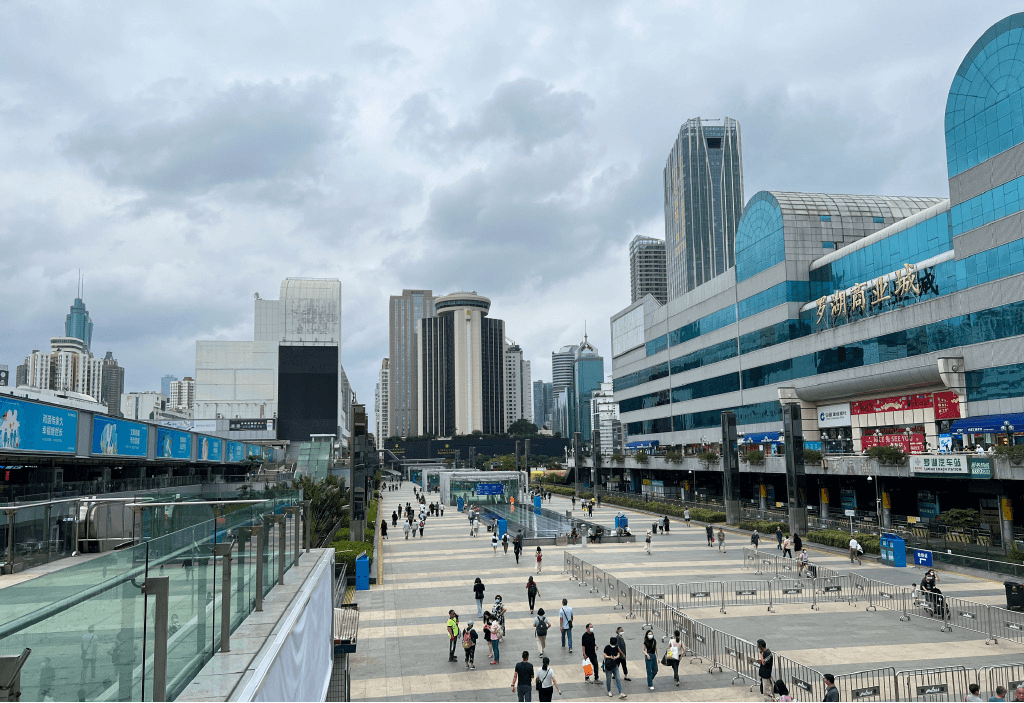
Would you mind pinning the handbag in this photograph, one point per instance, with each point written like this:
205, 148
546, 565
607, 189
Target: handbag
588, 668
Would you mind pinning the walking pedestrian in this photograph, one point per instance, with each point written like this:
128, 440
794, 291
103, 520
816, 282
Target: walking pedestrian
383, 529
546, 680
422, 523
531, 592
611, 667
504, 542
478, 594
90, 650
686, 516
494, 542
666, 524
574, 502
469, 638
798, 544
589, 643
476, 526
620, 642
787, 547
710, 532
831, 692
452, 628
647, 543
855, 551
651, 658
517, 547
674, 654
394, 518
778, 535
755, 539
523, 678
765, 662
540, 627
802, 563
565, 623
540, 558
721, 540
405, 528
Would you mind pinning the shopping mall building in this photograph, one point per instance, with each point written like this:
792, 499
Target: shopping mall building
889, 320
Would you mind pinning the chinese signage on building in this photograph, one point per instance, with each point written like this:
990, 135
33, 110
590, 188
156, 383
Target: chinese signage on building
834, 415
946, 404
908, 445
880, 295
940, 465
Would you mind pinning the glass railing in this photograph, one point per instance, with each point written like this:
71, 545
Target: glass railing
91, 630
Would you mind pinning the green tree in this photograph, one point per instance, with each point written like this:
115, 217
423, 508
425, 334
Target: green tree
960, 518
522, 428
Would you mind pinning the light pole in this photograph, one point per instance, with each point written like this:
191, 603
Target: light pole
1008, 430
878, 505
908, 435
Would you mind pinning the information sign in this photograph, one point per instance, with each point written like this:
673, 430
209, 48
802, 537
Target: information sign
490, 489
922, 557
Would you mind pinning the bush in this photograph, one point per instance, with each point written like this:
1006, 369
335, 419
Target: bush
346, 552
754, 456
838, 538
674, 457
641, 457
1014, 452
708, 457
887, 455
765, 527
812, 456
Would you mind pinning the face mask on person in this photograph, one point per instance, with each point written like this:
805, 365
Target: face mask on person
650, 636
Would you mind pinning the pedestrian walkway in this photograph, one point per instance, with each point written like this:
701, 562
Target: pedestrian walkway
403, 649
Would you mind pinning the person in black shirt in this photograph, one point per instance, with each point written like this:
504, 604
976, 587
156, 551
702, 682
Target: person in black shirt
798, 543
611, 666
590, 651
470, 635
523, 676
478, 594
710, 532
765, 661
650, 657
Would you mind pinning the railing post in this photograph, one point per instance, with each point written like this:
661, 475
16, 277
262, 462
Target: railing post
307, 509
159, 586
223, 550
282, 548
261, 549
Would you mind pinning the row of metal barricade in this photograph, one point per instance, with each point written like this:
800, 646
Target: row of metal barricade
660, 607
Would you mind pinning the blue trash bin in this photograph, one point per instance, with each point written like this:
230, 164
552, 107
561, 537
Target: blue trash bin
502, 527
461, 504
362, 572
621, 521
536, 504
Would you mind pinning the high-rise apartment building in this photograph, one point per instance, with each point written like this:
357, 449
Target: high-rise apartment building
605, 418
183, 395
382, 404
703, 202
647, 269
543, 403
145, 405
113, 385
69, 366
404, 314
518, 387
561, 367
460, 366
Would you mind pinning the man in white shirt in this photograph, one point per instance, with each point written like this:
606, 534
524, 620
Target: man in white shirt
854, 550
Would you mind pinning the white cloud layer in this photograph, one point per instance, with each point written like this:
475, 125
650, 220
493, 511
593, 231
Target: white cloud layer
186, 155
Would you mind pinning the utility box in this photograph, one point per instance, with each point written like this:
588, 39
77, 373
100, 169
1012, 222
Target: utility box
894, 550
536, 503
621, 522
1014, 596
362, 572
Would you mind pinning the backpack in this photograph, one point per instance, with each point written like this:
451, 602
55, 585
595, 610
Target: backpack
532, 588
542, 627
467, 640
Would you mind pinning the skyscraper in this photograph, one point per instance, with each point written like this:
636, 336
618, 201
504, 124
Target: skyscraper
165, 384
113, 385
78, 324
647, 269
561, 367
518, 387
381, 403
405, 312
461, 360
587, 376
543, 399
703, 202
183, 395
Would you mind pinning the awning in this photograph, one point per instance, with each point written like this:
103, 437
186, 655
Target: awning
762, 438
987, 423
646, 444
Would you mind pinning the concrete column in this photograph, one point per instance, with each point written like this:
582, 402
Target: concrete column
762, 498
1006, 520
887, 506
823, 511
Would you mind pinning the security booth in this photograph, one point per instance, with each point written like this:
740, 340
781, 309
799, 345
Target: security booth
480, 487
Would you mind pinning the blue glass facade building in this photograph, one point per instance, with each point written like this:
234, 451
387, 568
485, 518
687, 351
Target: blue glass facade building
835, 299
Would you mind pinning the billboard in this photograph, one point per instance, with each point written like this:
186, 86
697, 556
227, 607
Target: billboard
173, 444
113, 437
236, 452
208, 448
834, 415
33, 427
256, 425
253, 450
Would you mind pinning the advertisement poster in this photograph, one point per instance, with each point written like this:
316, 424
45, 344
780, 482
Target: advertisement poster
33, 427
210, 449
927, 505
953, 465
236, 452
173, 444
834, 415
947, 406
112, 437
892, 404
914, 446
848, 498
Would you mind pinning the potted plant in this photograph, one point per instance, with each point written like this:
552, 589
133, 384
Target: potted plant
753, 456
812, 456
641, 457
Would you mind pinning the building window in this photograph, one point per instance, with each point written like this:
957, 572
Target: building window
825, 218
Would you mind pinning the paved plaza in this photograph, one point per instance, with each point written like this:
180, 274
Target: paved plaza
402, 651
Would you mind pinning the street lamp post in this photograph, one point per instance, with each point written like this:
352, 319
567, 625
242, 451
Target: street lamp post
1008, 430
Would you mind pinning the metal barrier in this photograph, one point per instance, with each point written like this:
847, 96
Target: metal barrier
803, 682
702, 637
1009, 624
701, 594
587, 574
868, 685
790, 591
968, 615
597, 585
832, 588
891, 597
948, 683
749, 557
746, 593
1008, 675
737, 655
611, 585
567, 564
624, 598
577, 569
862, 590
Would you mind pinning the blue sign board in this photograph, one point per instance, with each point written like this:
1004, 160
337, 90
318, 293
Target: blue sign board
848, 498
816, 446
173, 444
490, 489
27, 427
922, 557
118, 437
981, 467
208, 448
236, 452
253, 450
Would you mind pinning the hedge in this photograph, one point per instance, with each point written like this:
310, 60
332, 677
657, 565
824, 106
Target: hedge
765, 527
838, 538
346, 551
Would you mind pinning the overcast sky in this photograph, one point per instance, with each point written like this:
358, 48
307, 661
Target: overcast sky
185, 155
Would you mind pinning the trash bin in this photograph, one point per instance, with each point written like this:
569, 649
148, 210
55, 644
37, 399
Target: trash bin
362, 572
460, 504
502, 526
654, 528
621, 521
1014, 595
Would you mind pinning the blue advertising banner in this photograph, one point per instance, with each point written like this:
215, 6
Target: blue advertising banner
848, 498
236, 452
490, 489
118, 437
208, 448
816, 446
28, 427
252, 450
173, 444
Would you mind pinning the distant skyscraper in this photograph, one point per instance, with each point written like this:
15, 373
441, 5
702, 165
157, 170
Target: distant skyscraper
561, 367
647, 269
405, 312
703, 202
588, 374
605, 418
183, 395
543, 398
381, 404
518, 387
461, 363
165, 384
78, 324
113, 385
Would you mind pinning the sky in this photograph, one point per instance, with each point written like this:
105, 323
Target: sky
186, 155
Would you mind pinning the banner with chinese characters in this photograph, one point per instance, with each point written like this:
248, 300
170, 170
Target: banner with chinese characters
915, 444
897, 403
880, 295
955, 465
947, 406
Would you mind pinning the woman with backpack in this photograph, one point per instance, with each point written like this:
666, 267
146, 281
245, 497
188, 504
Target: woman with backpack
540, 626
469, 638
531, 593
539, 558
504, 542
